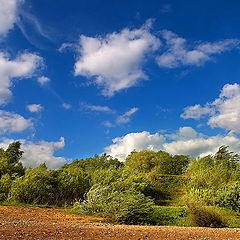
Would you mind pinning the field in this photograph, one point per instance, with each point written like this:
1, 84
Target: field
51, 223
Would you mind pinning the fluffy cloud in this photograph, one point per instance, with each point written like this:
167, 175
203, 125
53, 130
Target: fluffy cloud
12, 122
184, 133
8, 14
115, 61
34, 108
43, 80
185, 141
178, 53
122, 146
196, 111
41, 152
126, 117
202, 146
22, 67
224, 112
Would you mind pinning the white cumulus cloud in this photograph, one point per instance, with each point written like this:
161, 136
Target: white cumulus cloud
22, 67
196, 111
202, 146
223, 112
179, 53
184, 133
185, 141
115, 61
40, 152
12, 122
8, 14
35, 108
123, 146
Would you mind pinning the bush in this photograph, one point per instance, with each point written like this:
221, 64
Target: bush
72, 184
229, 196
204, 195
129, 207
211, 177
106, 176
5, 185
134, 182
170, 216
203, 216
36, 187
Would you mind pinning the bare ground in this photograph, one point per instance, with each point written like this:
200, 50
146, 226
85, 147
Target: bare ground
48, 223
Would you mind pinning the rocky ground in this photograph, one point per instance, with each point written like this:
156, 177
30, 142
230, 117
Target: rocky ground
48, 223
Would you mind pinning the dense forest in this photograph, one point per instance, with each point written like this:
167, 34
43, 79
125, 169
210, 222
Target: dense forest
148, 188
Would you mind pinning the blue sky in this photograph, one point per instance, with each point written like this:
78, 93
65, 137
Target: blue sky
85, 77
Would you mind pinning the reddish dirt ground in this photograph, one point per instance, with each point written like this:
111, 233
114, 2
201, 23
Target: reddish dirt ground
47, 223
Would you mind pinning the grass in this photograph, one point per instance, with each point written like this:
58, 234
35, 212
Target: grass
178, 216
171, 216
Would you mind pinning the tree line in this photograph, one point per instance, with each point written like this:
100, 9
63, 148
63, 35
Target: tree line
127, 191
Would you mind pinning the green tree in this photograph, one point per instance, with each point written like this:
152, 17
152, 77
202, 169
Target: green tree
226, 159
36, 186
141, 162
10, 160
209, 174
171, 165
73, 183
5, 185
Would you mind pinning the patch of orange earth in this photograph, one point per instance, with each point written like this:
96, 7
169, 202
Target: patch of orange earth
48, 223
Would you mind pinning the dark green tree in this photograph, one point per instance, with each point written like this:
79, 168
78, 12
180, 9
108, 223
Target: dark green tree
10, 160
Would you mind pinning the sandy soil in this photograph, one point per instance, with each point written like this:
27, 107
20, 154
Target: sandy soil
45, 223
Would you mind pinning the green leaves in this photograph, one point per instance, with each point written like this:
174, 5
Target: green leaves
129, 206
214, 180
161, 162
9, 160
37, 186
229, 196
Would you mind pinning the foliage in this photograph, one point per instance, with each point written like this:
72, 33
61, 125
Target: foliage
37, 186
207, 176
166, 186
5, 185
229, 196
9, 160
226, 159
106, 176
129, 206
163, 171
171, 165
174, 216
146, 161
133, 182
72, 183
141, 162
